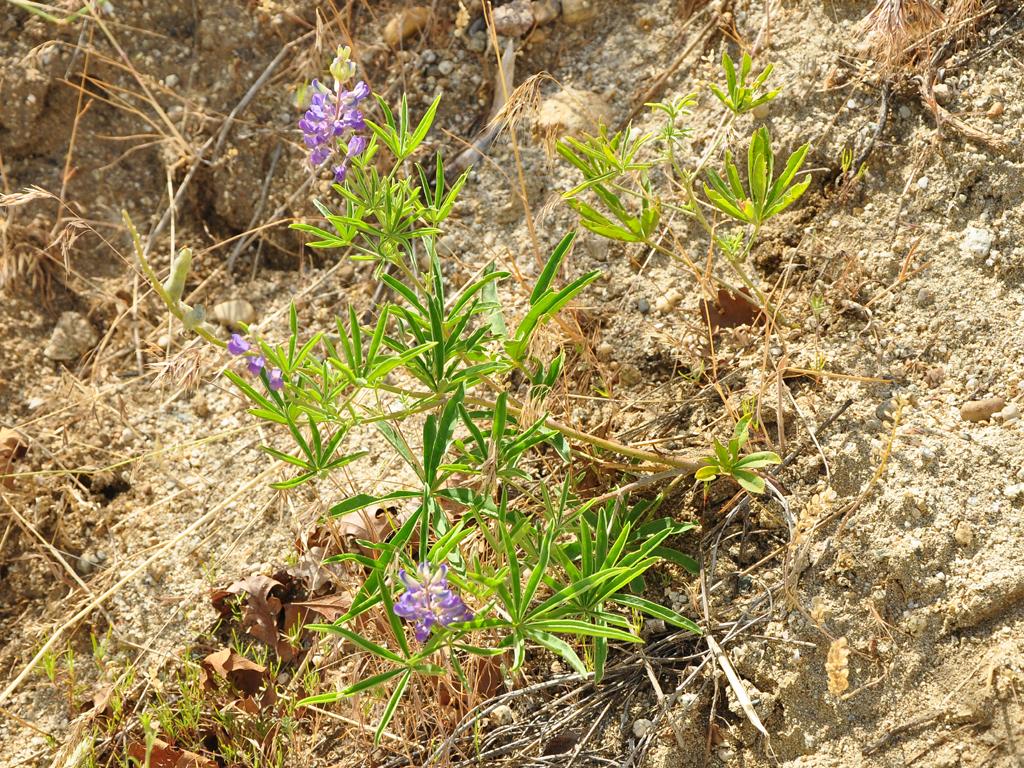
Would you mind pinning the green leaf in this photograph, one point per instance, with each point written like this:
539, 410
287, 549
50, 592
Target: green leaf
584, 629
554, 261
559, 646
356, 638
657, 611
749, 481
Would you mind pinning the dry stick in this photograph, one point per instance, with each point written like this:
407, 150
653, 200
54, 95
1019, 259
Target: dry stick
258, 210
218, 141
658, 84
98, 601
524, 197
66, 175
53, 551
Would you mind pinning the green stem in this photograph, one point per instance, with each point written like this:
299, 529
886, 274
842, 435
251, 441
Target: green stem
175, 307
685, 463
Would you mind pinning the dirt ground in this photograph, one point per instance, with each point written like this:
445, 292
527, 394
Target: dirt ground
905, 288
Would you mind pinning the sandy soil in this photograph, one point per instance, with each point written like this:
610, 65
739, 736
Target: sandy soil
906, 289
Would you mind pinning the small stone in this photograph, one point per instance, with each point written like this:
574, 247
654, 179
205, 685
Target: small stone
200, 406
231, 313
630, 375
916, 624
668, 301
171, 81
72, 336
513, 19
405, 24
502, 715
905, 112
995, 111
605, 351
943, 93
925, 298
761, 111
445, 68
643, 306
1013, 491
88, 562
545, 11
981, 410
578, 11
1008, 414
642, 727
922, 183
884, 410
977, 241
571, 111
963, 534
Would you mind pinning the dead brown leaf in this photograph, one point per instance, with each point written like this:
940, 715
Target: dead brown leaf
729, 310
261, 609
330, 607
13, 446
243, 674
164, 755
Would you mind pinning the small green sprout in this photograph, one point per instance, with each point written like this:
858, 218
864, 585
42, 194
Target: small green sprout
728, 461
740, 97
767, 196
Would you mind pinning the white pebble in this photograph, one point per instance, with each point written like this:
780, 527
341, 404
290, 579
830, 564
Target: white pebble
641, 727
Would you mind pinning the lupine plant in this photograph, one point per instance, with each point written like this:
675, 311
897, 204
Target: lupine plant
484, 557
615, 199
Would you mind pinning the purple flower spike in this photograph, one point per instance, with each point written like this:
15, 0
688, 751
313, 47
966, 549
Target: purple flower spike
255, 364
238, 345
275, 379
428, 600
333, 115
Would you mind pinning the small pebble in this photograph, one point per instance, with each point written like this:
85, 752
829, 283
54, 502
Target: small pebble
502, 715
513, 19
977, 241
963, 533
943, 93
1010, 413
578, 11
231, 313
642, 727
71, 338
643, 306
445, 68
405, 24
981, 410
885, 410
922, 183
905, 112
171, 81
925, 298
1014, 491
605, 351
545, 11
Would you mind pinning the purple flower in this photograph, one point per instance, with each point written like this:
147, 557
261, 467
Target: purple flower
238, 345
275, 379
429, 601
255, 364
332, 115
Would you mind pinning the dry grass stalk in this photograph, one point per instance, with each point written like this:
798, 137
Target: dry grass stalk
837, 666
898, 32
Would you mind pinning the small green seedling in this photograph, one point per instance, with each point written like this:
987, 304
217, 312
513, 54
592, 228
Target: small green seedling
728, 461
767, 196
738, 96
